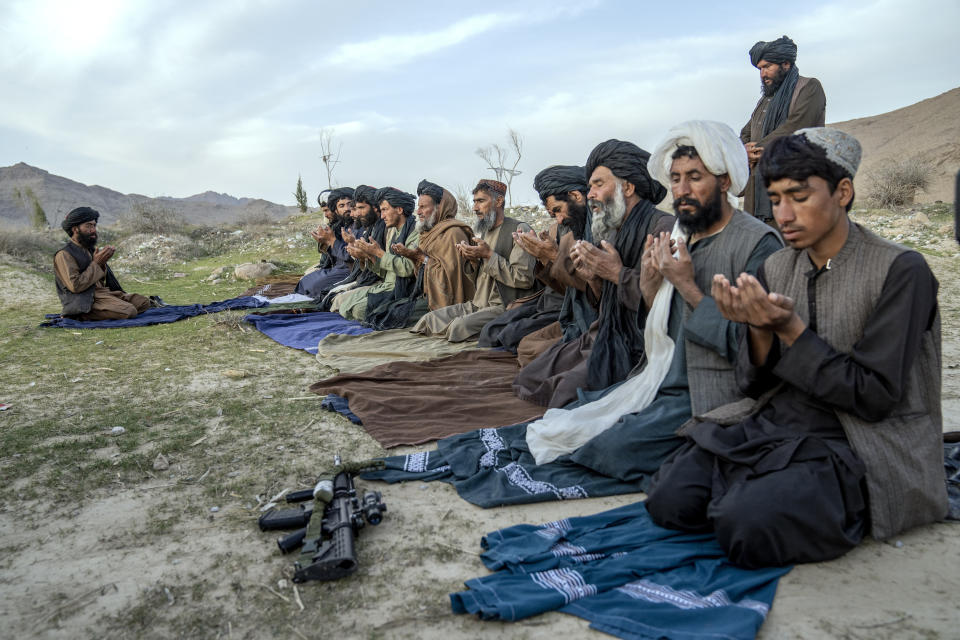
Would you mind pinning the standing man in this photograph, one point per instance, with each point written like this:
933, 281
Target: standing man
789, 102
85, 284
506, 271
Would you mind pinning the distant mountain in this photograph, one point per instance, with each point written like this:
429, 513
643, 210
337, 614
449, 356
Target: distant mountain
929, 129
23, 186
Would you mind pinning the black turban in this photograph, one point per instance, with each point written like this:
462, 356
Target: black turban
435, 191
628, 162
77, 217
397, 198
778, 51
338, 194
366, 193
560, 179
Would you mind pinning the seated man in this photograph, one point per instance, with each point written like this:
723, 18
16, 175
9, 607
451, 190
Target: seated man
366, 224
86, 285
396, 211
335, 263
622, 199
563, 190
444, 276
506, 270
843, 350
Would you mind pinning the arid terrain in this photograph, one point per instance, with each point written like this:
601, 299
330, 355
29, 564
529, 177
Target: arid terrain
100, 541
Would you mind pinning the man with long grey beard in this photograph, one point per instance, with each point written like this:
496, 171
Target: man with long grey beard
622, 200
506, 271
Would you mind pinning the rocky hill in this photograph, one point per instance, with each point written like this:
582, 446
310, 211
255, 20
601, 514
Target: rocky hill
23, 187
929, 130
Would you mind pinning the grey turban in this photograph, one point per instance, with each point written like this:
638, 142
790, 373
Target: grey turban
783, 49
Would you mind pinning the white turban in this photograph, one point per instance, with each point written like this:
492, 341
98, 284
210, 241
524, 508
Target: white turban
718, 146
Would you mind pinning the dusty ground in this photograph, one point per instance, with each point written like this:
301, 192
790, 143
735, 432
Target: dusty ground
96, 542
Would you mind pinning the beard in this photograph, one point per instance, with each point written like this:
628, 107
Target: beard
778, 78
369, 219
705, 215
425, 224
608, 215
87, 240
576, 218
485, 223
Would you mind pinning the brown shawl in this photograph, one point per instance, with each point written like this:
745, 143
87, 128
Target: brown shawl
449, 278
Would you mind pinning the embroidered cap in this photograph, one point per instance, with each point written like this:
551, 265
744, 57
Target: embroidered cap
841, 148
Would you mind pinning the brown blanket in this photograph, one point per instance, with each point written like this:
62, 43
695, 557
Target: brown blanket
415, 402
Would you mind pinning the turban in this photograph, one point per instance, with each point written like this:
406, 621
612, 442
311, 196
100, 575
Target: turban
337, 194
435, 191
78, 216
396, 198
841, 148
778, 51
560, 179
366, 193
491, 185
628, 162
718, 147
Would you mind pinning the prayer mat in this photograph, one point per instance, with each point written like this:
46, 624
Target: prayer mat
273, 286
158, 315
353, 354
494, 467
305, 329
415, 402
623, 573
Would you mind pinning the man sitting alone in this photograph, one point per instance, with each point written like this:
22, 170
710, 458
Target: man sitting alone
85, 284
843, 352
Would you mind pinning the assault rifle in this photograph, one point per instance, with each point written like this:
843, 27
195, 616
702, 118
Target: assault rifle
327, 541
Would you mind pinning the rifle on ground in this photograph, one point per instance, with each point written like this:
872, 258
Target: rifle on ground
327, 541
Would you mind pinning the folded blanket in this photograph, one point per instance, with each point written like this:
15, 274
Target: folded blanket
159, 315
626, 575
303, 330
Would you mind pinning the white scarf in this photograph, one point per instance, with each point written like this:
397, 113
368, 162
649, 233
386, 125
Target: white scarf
562, 431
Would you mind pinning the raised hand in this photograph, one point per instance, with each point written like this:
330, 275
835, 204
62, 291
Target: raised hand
103, 254
603, 262
543, 248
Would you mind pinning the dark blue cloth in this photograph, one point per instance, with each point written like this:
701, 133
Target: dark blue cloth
304, 330
339, 404
627, 576
158, 315
494, 467
951, 466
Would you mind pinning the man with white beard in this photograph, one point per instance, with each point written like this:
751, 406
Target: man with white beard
506, 271
622, 198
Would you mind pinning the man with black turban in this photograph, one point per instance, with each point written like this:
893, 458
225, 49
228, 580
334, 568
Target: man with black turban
86, 285
506, 272
563, 191
335, 263
396, 211
622, 199
788, 102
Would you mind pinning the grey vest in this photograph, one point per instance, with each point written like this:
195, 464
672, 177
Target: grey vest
503, 248
903, 453
77, 303
711, 377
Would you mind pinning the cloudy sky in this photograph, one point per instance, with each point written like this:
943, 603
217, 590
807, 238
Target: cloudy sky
175, 97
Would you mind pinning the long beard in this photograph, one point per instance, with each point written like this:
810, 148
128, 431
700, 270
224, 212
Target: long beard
485, 223
87, 240
704, 215
369, 219
608, 216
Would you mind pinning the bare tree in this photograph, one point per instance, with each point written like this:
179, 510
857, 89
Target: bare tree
329, 157
498, 157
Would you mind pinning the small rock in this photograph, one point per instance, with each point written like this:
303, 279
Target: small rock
233, 474
899, 544
254, 270
117, 431
214, 509
922, 218
160, 463
282, 584
179, 275
235, 374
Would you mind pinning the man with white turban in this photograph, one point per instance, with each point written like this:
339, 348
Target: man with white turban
690, 347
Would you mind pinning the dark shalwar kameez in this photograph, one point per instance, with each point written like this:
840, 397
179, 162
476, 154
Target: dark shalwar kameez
785, 485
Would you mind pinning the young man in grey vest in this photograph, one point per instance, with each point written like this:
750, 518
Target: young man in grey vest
506, 271
86, 286
842, 356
